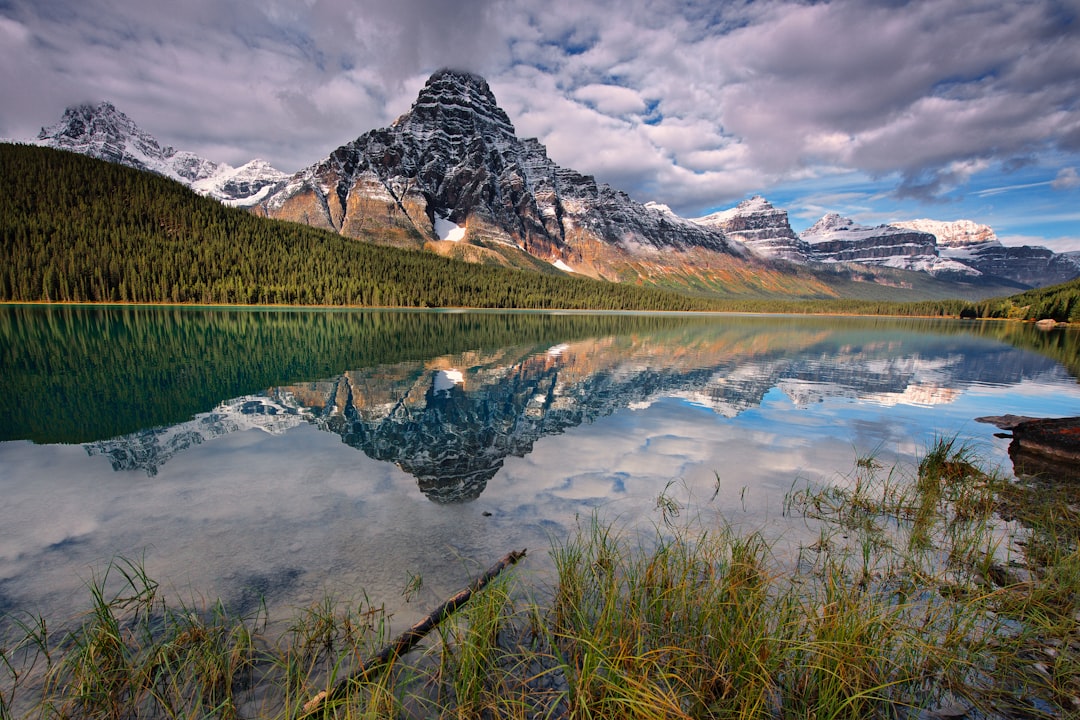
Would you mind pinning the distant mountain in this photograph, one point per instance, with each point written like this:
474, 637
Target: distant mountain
978, 247
452, 175
762, 228
837, 239
105, 133
959, 250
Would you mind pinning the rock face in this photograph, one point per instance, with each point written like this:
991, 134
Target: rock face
452, 172
105, 133
761, 227
836, 239
978, 247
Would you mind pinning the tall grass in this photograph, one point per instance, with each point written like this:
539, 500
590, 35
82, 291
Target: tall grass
913, 602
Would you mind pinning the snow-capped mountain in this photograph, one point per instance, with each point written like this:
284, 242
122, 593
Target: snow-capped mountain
961, 249
452, 175
761, 227
245, 186
105, 133
835, 239
977, 246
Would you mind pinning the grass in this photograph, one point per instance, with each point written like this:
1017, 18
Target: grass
915, 598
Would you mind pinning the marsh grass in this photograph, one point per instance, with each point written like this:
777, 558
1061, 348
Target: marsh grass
936, 591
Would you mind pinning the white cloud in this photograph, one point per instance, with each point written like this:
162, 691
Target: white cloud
611, 99
1059, 244
1067, 179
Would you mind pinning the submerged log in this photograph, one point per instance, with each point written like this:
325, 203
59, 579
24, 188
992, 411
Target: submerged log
408, 639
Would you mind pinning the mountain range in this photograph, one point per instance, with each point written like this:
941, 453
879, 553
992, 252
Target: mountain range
105, 133
452, 176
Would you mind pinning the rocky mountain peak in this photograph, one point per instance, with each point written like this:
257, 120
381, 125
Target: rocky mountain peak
456, 107
85, 120
831, 222
104, 132
101, 131
452, 175
761, 227
955, 233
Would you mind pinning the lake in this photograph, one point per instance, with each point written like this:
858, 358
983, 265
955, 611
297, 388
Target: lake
277, 456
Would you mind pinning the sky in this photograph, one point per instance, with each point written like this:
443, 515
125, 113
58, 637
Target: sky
881, 111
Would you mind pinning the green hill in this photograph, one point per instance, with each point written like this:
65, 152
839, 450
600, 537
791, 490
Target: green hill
76, 229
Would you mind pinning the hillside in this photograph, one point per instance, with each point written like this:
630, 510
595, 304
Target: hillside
76, 229
1060, 303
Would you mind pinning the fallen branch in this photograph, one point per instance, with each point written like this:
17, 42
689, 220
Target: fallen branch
406, 640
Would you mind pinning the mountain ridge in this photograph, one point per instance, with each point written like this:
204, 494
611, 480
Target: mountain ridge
451, 176
103, 132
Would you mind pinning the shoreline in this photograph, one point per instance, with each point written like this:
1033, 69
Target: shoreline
480, 309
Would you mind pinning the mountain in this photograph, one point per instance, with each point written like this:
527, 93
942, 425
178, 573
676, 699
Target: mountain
105, 133
451, 175
958, 250
761, 227
978, 247
835, 239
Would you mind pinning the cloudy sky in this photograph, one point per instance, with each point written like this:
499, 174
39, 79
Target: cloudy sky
878, 110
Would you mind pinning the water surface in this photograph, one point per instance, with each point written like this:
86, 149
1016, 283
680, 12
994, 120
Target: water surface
275, 456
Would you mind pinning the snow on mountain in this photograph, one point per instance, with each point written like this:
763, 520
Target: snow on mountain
105, 133
977, 246
244, 186
761, 227
952, 234
834, 239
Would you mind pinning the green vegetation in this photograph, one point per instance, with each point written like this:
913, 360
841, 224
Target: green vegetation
910, 601
1058, 302
75, 229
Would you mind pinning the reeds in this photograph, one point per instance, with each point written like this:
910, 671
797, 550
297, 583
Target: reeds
914, 601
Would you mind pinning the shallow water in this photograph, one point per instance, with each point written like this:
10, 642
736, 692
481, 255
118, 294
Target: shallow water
276, 456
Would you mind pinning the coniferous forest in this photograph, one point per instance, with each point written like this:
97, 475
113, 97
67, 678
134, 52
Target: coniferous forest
76, 229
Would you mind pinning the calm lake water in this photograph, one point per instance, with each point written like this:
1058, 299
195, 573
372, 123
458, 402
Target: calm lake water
277, 456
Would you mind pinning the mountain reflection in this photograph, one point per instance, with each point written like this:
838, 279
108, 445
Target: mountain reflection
451, 420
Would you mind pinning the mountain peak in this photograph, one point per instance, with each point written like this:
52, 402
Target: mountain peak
454, 161
832, 222
103, 132
459, 102
87, 123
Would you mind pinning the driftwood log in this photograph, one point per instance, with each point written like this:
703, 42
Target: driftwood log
408, 639
1042, 447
